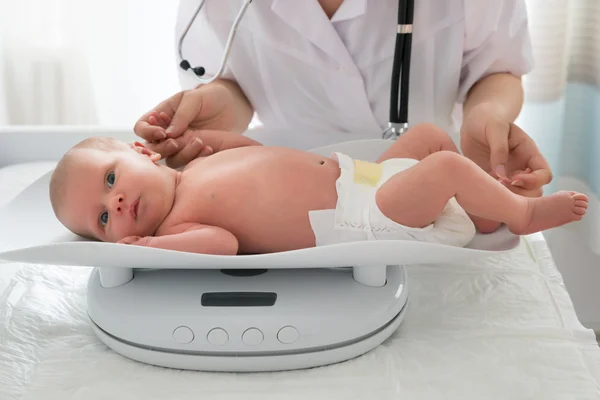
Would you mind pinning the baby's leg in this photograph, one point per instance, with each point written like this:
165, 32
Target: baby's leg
417, 196
423, 140
418, 142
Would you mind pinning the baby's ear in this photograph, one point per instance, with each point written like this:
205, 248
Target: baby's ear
140, 148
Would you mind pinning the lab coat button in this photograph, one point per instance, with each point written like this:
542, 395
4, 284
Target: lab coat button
217, 337
287, 334
252, 337
183, 334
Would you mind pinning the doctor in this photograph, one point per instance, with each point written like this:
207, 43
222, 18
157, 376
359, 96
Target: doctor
317, 72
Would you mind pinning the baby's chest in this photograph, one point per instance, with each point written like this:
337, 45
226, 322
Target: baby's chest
191, 206
201, 201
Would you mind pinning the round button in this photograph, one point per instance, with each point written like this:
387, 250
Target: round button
252, 337
183, 334
287, 334
217, 336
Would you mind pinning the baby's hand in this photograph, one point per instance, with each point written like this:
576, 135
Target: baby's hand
514, 179
181, 150
136, 240
192, 146
159, 119
515, 182
188, 141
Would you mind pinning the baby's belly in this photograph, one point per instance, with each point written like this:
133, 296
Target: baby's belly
271, 214
269, 232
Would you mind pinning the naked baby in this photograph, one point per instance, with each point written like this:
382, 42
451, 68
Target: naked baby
247, 198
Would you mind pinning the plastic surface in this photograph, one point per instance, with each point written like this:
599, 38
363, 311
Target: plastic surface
326, 307
251, 363
217, 337
370, 275
287, 334
253, 337
183, 334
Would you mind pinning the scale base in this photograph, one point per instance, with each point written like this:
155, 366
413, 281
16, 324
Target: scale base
251, 320
249, 363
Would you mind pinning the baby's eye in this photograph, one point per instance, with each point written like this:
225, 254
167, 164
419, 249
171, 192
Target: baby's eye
104, 218
110, 179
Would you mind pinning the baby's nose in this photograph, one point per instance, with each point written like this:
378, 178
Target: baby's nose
118, 204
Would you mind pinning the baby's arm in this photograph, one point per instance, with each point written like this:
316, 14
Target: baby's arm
216, 140
223, 140
191, 238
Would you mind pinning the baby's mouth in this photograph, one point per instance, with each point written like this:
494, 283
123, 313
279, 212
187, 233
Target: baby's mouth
133, 209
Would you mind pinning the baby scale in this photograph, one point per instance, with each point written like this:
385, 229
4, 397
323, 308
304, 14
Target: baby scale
267, 312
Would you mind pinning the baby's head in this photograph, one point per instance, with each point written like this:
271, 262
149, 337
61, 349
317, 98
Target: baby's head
106, 189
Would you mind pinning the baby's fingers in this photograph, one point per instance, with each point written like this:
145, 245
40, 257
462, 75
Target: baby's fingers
206, 151
153, 121
191, 151
520, 171
531, 180
129, 240
160, 119
165, 148
166, 119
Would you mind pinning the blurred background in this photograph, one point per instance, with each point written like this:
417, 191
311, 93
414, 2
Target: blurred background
70, 62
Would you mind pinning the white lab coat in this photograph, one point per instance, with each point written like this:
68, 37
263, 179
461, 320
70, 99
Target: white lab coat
315, 81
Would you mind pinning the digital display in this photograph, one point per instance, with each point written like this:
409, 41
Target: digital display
238, 299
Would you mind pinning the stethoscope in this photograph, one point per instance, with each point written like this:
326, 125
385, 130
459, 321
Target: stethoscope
398, 118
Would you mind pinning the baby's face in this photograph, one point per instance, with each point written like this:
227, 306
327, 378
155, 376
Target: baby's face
112, 195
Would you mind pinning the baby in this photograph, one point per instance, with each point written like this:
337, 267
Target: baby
248, 198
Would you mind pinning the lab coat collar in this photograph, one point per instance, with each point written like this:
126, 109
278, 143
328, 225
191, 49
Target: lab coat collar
308, 19
350, 9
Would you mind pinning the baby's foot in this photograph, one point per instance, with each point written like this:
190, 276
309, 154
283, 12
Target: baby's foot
551, 211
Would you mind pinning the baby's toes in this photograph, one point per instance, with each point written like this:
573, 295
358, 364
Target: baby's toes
580, 200
579, 210
580, 203
579, 196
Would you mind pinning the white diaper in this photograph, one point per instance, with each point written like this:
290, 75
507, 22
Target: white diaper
357, 216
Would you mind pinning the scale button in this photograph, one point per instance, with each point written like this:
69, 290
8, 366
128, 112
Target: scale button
287, 334
217, 336
183, 334
252, 337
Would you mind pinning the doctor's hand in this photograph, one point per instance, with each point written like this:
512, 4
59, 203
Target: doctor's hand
504, 150
181, 150
206, 107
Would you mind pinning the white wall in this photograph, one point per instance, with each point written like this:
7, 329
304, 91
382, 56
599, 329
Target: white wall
102, 62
